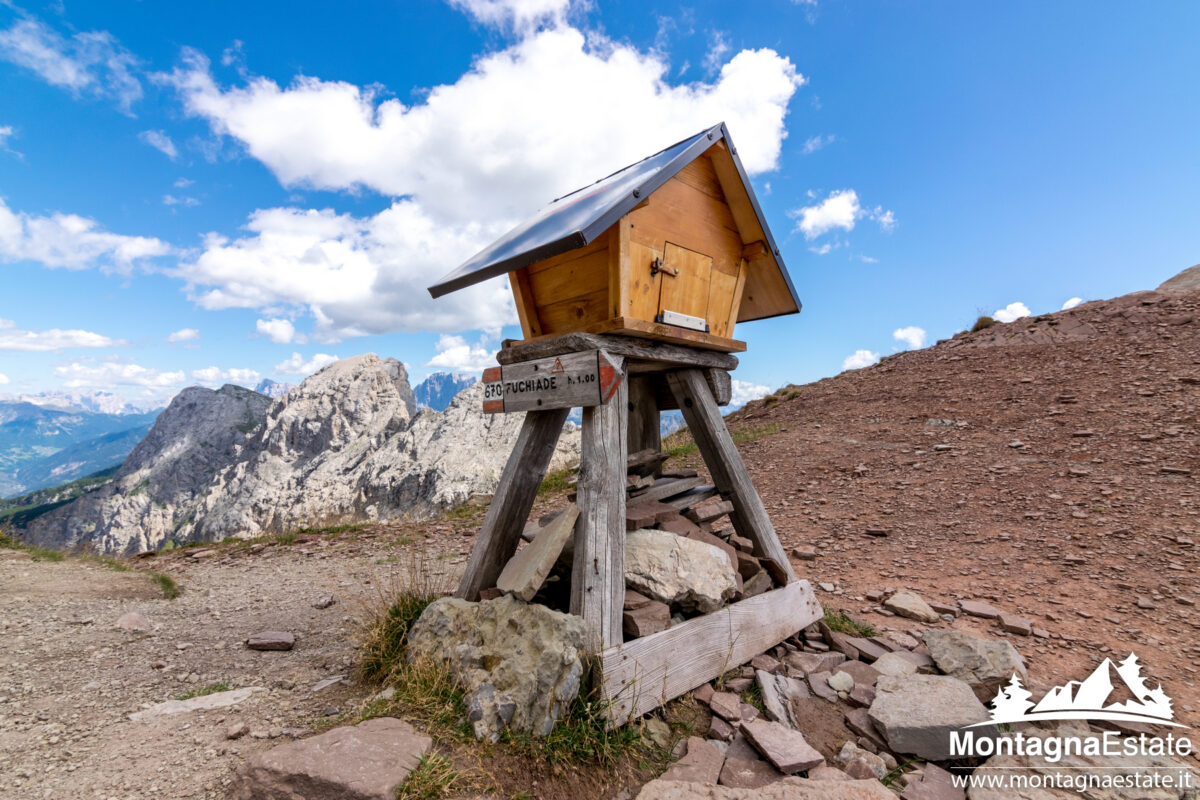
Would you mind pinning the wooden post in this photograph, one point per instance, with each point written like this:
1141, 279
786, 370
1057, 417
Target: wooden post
512, 500
598, 572
725, 463
644, 425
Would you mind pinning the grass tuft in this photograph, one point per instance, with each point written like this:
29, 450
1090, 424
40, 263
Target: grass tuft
981, 323
170, 588
212, 688
556, 482
838, 621
435, 777
582, 736
745, 435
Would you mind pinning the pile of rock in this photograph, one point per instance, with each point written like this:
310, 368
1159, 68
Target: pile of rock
682, 557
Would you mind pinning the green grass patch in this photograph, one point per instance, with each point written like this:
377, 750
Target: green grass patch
982, 323
753, 696
435, 777
581, 737
839, 622
212, 688
38, 553
465, 511
679, 443
556, 482
166, 583
753, 434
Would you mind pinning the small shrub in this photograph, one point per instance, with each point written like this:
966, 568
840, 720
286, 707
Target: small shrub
838, 621
981, 323
170, 588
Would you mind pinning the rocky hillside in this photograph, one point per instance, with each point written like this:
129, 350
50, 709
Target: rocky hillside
345, 446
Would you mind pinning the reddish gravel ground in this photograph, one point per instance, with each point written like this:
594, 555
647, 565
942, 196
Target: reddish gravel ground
1048, 467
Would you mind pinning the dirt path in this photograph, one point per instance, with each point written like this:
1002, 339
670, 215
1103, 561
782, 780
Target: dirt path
69, 678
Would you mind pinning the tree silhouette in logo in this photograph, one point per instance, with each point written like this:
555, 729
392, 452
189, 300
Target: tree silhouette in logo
1011, 701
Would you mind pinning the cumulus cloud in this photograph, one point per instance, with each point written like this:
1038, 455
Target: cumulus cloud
91, 64
3, 379
215, 376
72, 242
1011, 312
744, 392
279, 331
454, 353
160, 141
184, 335
296, 365
13, 338
859, 359
912, 336
841, 209
77, 375
1074, 301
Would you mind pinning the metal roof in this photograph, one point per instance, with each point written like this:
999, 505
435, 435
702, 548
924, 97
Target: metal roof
575, 220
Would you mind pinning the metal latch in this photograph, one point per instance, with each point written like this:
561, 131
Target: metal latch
657, 266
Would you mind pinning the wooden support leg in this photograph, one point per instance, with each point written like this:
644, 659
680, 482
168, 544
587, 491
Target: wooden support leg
513, 498
598, 573
644, 426
725, 463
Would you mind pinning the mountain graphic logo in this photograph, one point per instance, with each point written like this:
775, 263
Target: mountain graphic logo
1087, 699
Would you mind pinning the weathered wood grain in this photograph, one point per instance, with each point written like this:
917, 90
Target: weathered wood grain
645, 673
666, 487
598, 570
641, 355
644, 423
725, 463
512, 500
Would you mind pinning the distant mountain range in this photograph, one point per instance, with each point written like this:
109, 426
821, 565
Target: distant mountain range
440, 388
97, 402
49, 443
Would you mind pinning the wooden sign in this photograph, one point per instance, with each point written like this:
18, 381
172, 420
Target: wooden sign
586, 378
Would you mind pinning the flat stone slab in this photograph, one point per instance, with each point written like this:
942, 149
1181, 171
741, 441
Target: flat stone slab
978, 608
368, 761
786, 789
702, 764
526, 571
203, 703
912, 606
917, 713
784, 747
271, 640
777, 693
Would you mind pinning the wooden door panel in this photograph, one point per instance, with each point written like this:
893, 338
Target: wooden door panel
685, 281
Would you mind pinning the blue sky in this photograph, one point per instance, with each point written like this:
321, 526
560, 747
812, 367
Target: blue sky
210, 192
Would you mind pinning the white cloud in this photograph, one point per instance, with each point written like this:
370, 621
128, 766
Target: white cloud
531, 122
182, 183
180, 200
520, 14
1074, 301
215, 376
160, 141
71, 241
3, 379
77, 375
296, 365
184, 335
279, 331
356, 276
718, 48
744, 392
814, 143
839, 210
456, 355
91, 63
868, 260
1011, 312
13, 338
7, 132
860, 359
912, 336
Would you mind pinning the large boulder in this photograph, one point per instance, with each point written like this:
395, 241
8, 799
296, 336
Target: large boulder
786, 789
982, 664
368, 761
917, 713
678, 571
520, 665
